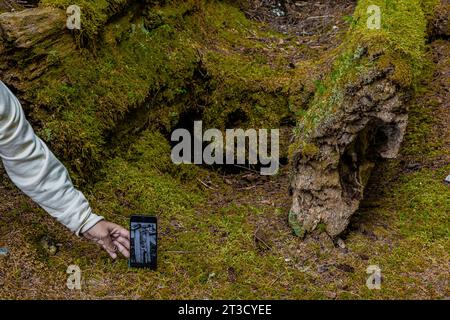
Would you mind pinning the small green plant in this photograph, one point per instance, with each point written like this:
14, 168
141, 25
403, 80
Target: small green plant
351, 21
320, 87
321, 227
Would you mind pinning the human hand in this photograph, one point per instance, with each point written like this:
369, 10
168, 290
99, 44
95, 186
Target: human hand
111, 237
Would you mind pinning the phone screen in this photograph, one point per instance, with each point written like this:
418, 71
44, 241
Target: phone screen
143, 237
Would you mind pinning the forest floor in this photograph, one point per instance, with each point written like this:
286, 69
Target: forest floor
232, 239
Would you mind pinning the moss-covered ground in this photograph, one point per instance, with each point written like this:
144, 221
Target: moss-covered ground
221, 235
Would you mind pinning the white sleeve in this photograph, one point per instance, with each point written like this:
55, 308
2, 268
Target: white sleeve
36, 171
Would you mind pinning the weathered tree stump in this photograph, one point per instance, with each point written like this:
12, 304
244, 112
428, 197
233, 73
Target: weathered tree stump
360, 119
328, 186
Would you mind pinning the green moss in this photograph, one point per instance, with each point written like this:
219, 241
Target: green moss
84, 98
422, 201
94, 13
254, 90
207, 248
400, 42
152, 68
309, 150
321, 227
295, 225
145, 180
415, 209
428, 6
418, 142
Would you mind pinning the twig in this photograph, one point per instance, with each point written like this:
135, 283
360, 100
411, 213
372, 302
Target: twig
320, 17
184, 251
276, 279
248, 188
209, 187
236, 165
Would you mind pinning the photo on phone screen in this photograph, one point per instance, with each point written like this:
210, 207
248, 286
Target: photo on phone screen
143, 237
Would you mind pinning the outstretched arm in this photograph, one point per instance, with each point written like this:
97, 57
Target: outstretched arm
40, 175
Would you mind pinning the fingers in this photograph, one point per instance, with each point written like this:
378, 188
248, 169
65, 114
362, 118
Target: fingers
111, 237
123, 241
125, 233
109, 246
120, 231
111, 251
121, 235
123, 250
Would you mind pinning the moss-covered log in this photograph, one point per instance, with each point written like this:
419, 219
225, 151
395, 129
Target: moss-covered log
147, 64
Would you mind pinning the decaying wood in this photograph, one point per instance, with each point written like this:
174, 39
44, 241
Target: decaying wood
328, 187
26, 39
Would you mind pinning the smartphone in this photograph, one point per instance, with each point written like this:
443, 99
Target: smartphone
143, 242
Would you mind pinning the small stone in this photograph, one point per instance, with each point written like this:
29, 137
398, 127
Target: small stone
303, 269
412, 166
3, 252
364, 256
232, 275
278, 12
49, 245
330, 295
52, 250
211, 275
340, 243
447, 180
322, 268
345, 267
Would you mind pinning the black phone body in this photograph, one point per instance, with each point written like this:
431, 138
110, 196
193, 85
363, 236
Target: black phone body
143, 242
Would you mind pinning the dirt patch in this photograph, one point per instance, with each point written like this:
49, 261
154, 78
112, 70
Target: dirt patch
316, 23
16, 5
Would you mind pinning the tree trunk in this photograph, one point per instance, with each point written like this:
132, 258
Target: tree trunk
365, 122
328, 187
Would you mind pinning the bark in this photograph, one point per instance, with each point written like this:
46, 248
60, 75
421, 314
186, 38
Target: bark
328, 187
26, 39
328, 184
439, 26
